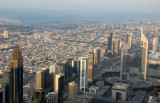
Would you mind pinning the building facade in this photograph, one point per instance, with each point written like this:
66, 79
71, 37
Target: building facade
83, 73
144, 56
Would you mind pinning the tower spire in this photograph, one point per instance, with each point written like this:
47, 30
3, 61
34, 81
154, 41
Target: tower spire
16, 57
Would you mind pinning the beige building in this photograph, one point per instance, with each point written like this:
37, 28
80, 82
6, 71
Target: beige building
40, 79
56, 82
5, 34
97, 55
116, 43
90, 66
72, 90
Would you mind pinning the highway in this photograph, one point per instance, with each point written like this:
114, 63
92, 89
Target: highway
105, 66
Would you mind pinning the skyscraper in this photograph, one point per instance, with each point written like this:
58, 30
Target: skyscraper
39, 96
72, 90
125, 56
83, 73
2, 93
97, 55
17, 76
8, 86
116, 43
128, 39
53, 70
46, 74
90, 66
74, 66
110, 42
65, 69
58, 86
40, 79
144, 56
155, 44
51, 97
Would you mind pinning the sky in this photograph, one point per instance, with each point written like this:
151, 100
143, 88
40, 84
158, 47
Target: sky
135, 6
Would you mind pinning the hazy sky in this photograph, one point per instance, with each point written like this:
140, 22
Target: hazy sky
137, 6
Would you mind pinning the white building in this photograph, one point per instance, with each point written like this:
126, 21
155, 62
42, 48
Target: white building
155, 44
125, 56
83, 73
144, 56
93, 89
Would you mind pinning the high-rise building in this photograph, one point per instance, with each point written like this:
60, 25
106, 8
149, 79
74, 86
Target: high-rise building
120, 92
70, 69
155, 44
74, 66
144, 56
53, 70
39, 96
40, 79
110, 42
46, 73
17, 76
8, 86
72, 90
28, 89
128, 39
58, 86
125, 56
51, 97
2, 93
90, 66
83, 73
97, 55
65, 69
116, 43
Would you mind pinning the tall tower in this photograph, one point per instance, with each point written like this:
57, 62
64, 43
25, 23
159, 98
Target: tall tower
110, 42
155, 44
128, 39
116, 43
17, 75
144, 56
125, 56
72, 90
58, 86
40, 79
97, 56
90, 66
83, 73
53, 70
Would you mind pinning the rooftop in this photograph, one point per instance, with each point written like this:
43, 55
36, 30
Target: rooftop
154, 56
120, 86
94, 87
